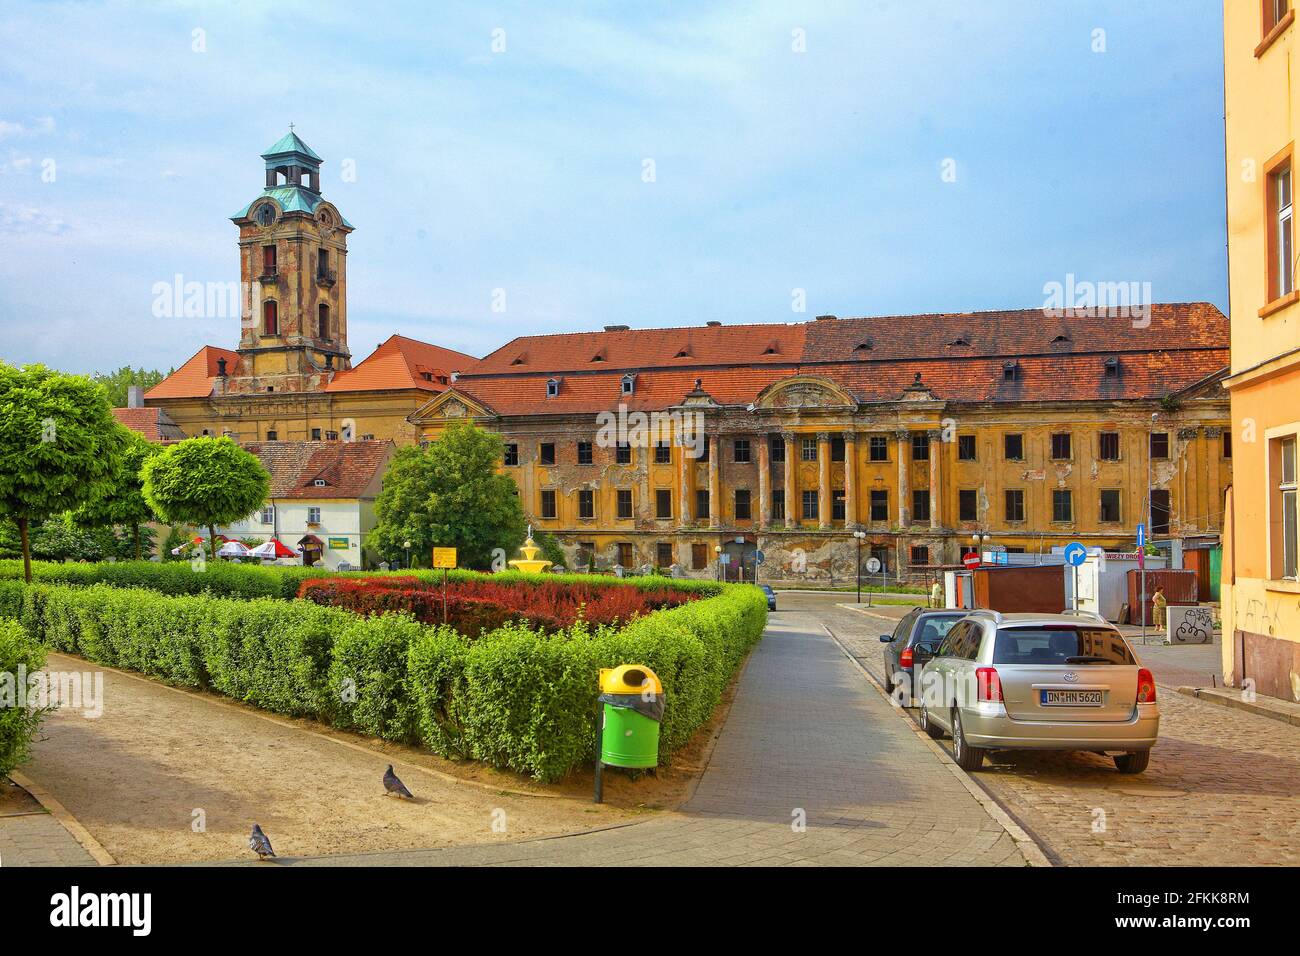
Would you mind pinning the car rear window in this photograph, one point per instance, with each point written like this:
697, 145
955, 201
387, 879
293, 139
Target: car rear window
1060, 645
934, 628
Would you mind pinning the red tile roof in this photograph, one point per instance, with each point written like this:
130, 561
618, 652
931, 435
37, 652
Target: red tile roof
876, 359
153, 423
400, 362
195, 378
348, 468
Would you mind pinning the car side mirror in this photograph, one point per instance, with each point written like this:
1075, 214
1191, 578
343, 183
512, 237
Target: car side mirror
886, 638
922, 653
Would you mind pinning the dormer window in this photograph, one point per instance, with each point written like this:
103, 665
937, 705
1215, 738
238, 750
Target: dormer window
629, 384
552, 387
683, 352
960, 340
864, 346
599, 356
1011, 372
517, 360
1111, 367
319, 482
1061, 339
772, 349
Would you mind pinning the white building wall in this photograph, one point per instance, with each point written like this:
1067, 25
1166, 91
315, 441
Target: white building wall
347, 522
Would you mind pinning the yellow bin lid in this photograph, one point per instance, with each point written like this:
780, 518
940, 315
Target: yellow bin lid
628, 679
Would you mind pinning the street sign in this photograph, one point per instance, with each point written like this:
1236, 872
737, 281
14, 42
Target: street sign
724, 558
972, 561
759, 557
444, 557
1142, 536
1075, 554
873, 565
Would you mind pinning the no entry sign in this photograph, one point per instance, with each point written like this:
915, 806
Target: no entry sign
972, 561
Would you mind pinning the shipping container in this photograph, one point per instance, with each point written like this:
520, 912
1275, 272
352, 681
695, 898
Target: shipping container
1180, 588
1039, 589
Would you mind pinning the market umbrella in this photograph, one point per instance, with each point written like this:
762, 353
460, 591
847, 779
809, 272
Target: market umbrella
232, 549
273, 549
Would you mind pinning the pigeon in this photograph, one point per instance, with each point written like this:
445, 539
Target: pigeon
258, 842
394, 785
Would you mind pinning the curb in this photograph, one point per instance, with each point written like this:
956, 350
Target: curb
65, 819
1029, 848
1236, 703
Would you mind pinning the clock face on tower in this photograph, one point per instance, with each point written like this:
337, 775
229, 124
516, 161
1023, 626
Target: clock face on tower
265, 214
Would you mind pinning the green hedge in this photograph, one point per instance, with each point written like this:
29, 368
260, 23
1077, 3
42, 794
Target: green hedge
514, 698
17, 724
231, 579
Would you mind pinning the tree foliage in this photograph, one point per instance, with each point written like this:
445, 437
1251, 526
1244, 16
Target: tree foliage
204, 482
116, 383
449, 494
59, 445
125, 504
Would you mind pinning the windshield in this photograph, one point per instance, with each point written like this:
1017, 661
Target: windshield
1060, 644
933, 627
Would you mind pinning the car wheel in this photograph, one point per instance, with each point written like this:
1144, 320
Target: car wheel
1134, 762
928, 725
967, 757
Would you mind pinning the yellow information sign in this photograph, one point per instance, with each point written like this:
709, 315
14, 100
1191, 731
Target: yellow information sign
444, 557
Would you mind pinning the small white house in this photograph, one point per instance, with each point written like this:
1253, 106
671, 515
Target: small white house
322, 503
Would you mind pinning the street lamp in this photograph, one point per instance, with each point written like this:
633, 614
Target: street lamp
407, 546
859, 535
717, 550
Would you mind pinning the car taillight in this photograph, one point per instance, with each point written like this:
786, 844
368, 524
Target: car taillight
988, 684
1146, 687
905, 658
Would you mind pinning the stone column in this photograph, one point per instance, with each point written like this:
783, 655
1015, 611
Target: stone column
715, 481
645, 508
850, 480
788, 438
936, 449
764, 481
904, 486
823, 480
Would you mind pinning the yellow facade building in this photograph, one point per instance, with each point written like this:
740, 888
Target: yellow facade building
918, 432
1261, 608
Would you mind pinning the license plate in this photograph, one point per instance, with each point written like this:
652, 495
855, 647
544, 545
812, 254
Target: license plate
1070, 698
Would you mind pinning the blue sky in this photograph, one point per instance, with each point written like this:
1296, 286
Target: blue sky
522, 170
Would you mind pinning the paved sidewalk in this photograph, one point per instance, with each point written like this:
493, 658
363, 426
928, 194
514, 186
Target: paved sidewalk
37, 839
813, 768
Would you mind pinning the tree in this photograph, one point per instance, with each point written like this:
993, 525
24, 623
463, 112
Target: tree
204, 482
59, 446
124, 505
117, 383
449, 494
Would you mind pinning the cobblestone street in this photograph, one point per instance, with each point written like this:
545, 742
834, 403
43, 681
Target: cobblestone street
1223, 787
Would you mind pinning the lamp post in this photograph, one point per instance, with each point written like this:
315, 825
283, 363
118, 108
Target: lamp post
407, 546
1150, 527
717, 550
860, 535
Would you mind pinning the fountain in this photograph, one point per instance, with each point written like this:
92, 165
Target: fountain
529, 563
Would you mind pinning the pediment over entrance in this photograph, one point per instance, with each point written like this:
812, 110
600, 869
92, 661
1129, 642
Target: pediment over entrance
450, 405
805, 391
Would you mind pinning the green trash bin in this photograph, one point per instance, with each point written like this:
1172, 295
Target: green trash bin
632, 699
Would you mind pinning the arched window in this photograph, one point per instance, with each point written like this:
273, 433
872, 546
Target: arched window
322, 321
270, 318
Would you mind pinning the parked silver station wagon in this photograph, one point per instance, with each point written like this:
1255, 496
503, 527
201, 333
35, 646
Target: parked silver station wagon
1039, 682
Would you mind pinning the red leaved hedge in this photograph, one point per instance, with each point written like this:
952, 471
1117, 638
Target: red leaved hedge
477, 606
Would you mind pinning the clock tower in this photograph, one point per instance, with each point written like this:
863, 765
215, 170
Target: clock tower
293, 279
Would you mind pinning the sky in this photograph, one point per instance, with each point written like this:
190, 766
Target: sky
523, 168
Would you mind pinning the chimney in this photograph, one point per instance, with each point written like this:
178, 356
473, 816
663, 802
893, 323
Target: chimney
617, 328
713, 323
825, 318
135, 396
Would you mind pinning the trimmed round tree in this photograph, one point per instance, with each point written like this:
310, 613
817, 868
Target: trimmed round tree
204, 482
59, 446
450, 494
125, 505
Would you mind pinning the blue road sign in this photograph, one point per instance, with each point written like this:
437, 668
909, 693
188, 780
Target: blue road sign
1142, 535
759, 557
1075, 554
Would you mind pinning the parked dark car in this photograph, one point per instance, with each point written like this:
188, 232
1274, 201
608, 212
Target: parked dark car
771, 596
920, 626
